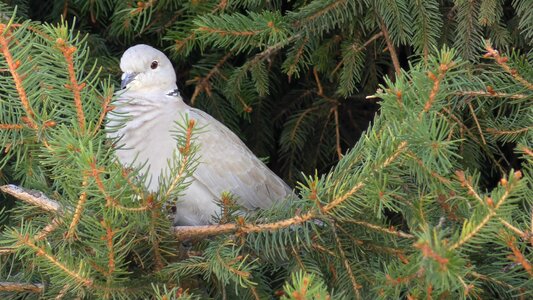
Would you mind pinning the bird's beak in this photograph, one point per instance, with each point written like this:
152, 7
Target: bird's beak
127, 78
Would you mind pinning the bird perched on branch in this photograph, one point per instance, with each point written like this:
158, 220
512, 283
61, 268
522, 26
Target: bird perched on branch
149, 105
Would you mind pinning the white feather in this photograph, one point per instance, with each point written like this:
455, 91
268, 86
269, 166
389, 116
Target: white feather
143, 123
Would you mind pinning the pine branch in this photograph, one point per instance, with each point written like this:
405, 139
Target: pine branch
76, 275
21, 287
518, 256
493, 211
11, 126
202, 84
106, 108
74, 86
32, 197
5, 38
389, 230
79, 210
355, 286
187, 232
502, 61
392, 49
491, 94
444, 67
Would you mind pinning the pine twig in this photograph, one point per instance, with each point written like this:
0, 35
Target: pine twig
390, 230
185, 154
78, 275
443, 68
518, 256
17, 78
502, 61
492, 212
491, 94
329, 7
19, 287
106, 107
202, 84
335, 109
53, 225
188, 232
79, 210
360, 48
179, 44
32, 197
355, 286
11, 126
74, 86
392, 49
477, 122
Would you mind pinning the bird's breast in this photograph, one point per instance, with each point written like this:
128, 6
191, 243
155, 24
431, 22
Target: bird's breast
145, 139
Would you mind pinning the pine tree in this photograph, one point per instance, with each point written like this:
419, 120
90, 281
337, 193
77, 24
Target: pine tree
434, 200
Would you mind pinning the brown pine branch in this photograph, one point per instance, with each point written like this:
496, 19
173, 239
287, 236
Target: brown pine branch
223, 32
188, 232
110, 201
5, 38
504, 132
423, 166
185, 156
355, 286
268, 52
394, 156
320, 12
400, 280
502, 61
491, 279
19, 287
466, 182
334, 109
492, 94
77, 276
179, 44
392, 49
492, 211
368, 42
11, 126
443, 68
477, 122
53, 225
110, 233
203, 84
32, 197
297, 57
465, 129
79, 210
74, 86
337, 132
389, 230
105, 109
155, 213
428, 252
518, 256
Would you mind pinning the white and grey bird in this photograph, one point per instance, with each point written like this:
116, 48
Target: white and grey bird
143, 125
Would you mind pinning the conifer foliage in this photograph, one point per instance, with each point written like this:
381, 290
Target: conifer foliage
435, 200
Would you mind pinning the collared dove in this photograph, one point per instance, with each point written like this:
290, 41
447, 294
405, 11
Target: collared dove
145, 139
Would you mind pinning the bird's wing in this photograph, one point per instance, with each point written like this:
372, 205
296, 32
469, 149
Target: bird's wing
227, 165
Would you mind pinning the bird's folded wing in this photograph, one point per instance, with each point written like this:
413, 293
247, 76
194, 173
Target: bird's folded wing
227, 165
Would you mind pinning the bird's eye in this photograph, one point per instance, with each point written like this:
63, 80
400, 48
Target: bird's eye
154, 64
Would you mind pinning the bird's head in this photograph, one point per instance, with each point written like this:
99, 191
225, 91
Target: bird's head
146, 68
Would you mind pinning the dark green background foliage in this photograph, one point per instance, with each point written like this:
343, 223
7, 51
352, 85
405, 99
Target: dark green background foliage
423, 189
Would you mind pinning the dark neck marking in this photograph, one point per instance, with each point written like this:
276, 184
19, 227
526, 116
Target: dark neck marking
174, 93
